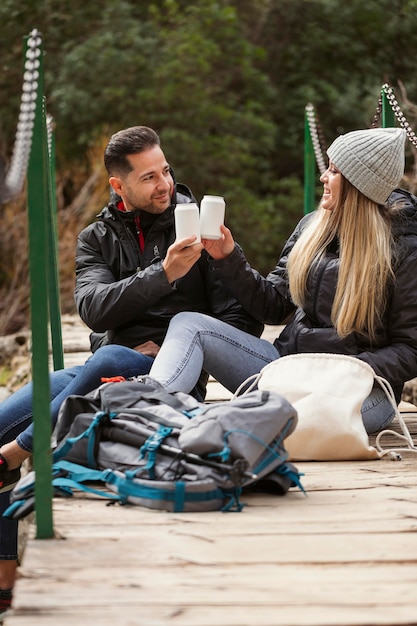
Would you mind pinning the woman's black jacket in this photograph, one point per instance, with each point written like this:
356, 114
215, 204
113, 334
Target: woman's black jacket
394, 353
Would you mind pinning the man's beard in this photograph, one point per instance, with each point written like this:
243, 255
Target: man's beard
153, 206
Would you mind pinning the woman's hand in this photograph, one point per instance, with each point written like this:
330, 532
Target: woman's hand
220, 248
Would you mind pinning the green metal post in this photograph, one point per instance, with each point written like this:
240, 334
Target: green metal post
309, 169
37, 199
387, 114
54, 300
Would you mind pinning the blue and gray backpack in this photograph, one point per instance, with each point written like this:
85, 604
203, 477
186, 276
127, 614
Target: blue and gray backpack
134, 442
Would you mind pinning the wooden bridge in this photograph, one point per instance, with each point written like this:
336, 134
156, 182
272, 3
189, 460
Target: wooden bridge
345, 554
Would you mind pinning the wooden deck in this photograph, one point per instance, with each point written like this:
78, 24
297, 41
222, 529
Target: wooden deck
345, 554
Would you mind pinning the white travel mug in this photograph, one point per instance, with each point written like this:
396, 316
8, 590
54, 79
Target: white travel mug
187, 221
212, 209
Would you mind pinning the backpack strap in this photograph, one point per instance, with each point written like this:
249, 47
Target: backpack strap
275, 452
394, 453
66, 478
150, 448
62, 450
176, 496
160, 396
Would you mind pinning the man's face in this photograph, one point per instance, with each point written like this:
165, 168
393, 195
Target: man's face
149, 185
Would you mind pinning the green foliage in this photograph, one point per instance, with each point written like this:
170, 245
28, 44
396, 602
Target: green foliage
337, 55
188, 72
261, 225
107, 72
224, 82
5, 374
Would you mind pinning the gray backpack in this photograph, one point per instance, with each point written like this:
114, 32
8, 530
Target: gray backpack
167, 450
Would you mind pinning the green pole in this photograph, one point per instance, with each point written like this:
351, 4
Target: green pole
54, 299
387, 114
37, 200
309, 169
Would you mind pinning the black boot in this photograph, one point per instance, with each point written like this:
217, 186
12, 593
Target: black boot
8, 478
5, 600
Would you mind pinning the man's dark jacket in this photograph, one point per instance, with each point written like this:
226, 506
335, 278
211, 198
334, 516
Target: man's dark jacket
124, 295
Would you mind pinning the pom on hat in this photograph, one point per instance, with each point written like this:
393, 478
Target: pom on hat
372, 160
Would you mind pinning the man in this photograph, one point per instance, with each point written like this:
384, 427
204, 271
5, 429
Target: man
132, 277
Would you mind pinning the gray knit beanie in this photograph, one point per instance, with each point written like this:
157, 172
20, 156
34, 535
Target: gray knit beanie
372, 160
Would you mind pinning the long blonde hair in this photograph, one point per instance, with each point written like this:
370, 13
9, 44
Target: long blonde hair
363, 230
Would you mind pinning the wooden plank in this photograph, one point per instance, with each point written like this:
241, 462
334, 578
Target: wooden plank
250, 595
359, 506
240, 615
216, 550
335, 515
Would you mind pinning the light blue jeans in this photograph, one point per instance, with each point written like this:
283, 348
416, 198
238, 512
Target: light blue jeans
16, 411
195, 341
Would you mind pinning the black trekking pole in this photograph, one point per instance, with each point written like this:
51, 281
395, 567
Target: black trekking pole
237, 471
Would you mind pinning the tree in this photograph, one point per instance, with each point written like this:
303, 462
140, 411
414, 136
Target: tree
224, 82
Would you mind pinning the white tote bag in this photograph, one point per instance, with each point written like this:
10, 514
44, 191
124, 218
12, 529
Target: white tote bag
327, 391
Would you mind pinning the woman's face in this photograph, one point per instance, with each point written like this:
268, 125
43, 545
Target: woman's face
332, 184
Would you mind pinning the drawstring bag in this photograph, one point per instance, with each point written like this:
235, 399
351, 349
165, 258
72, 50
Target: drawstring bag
327, 391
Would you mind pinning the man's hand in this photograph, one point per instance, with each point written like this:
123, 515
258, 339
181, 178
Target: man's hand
180, 258
149, 348
220, 248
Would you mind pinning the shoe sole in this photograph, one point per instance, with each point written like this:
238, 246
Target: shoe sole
13, 481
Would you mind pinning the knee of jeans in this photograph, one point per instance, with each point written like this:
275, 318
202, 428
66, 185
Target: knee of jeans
187, 320
112, 353
378, 416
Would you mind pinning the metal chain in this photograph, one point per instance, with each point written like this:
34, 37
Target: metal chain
49, 132
318, 151
377, 116
397, 112
15, 176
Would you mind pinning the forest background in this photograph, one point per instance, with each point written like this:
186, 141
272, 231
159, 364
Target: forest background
225, 83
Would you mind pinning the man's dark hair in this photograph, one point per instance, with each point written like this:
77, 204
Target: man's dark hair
128, 141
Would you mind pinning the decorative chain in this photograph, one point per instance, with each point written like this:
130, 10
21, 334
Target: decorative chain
15, 176
315, 138
377, 117
49, 132
397, 112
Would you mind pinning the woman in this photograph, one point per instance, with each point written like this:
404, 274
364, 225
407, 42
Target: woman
346, 283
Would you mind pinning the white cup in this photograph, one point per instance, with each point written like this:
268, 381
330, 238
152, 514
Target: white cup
212, 209
187, 221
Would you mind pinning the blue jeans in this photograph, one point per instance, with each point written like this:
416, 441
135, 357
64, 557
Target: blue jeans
195, 341
16, 411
